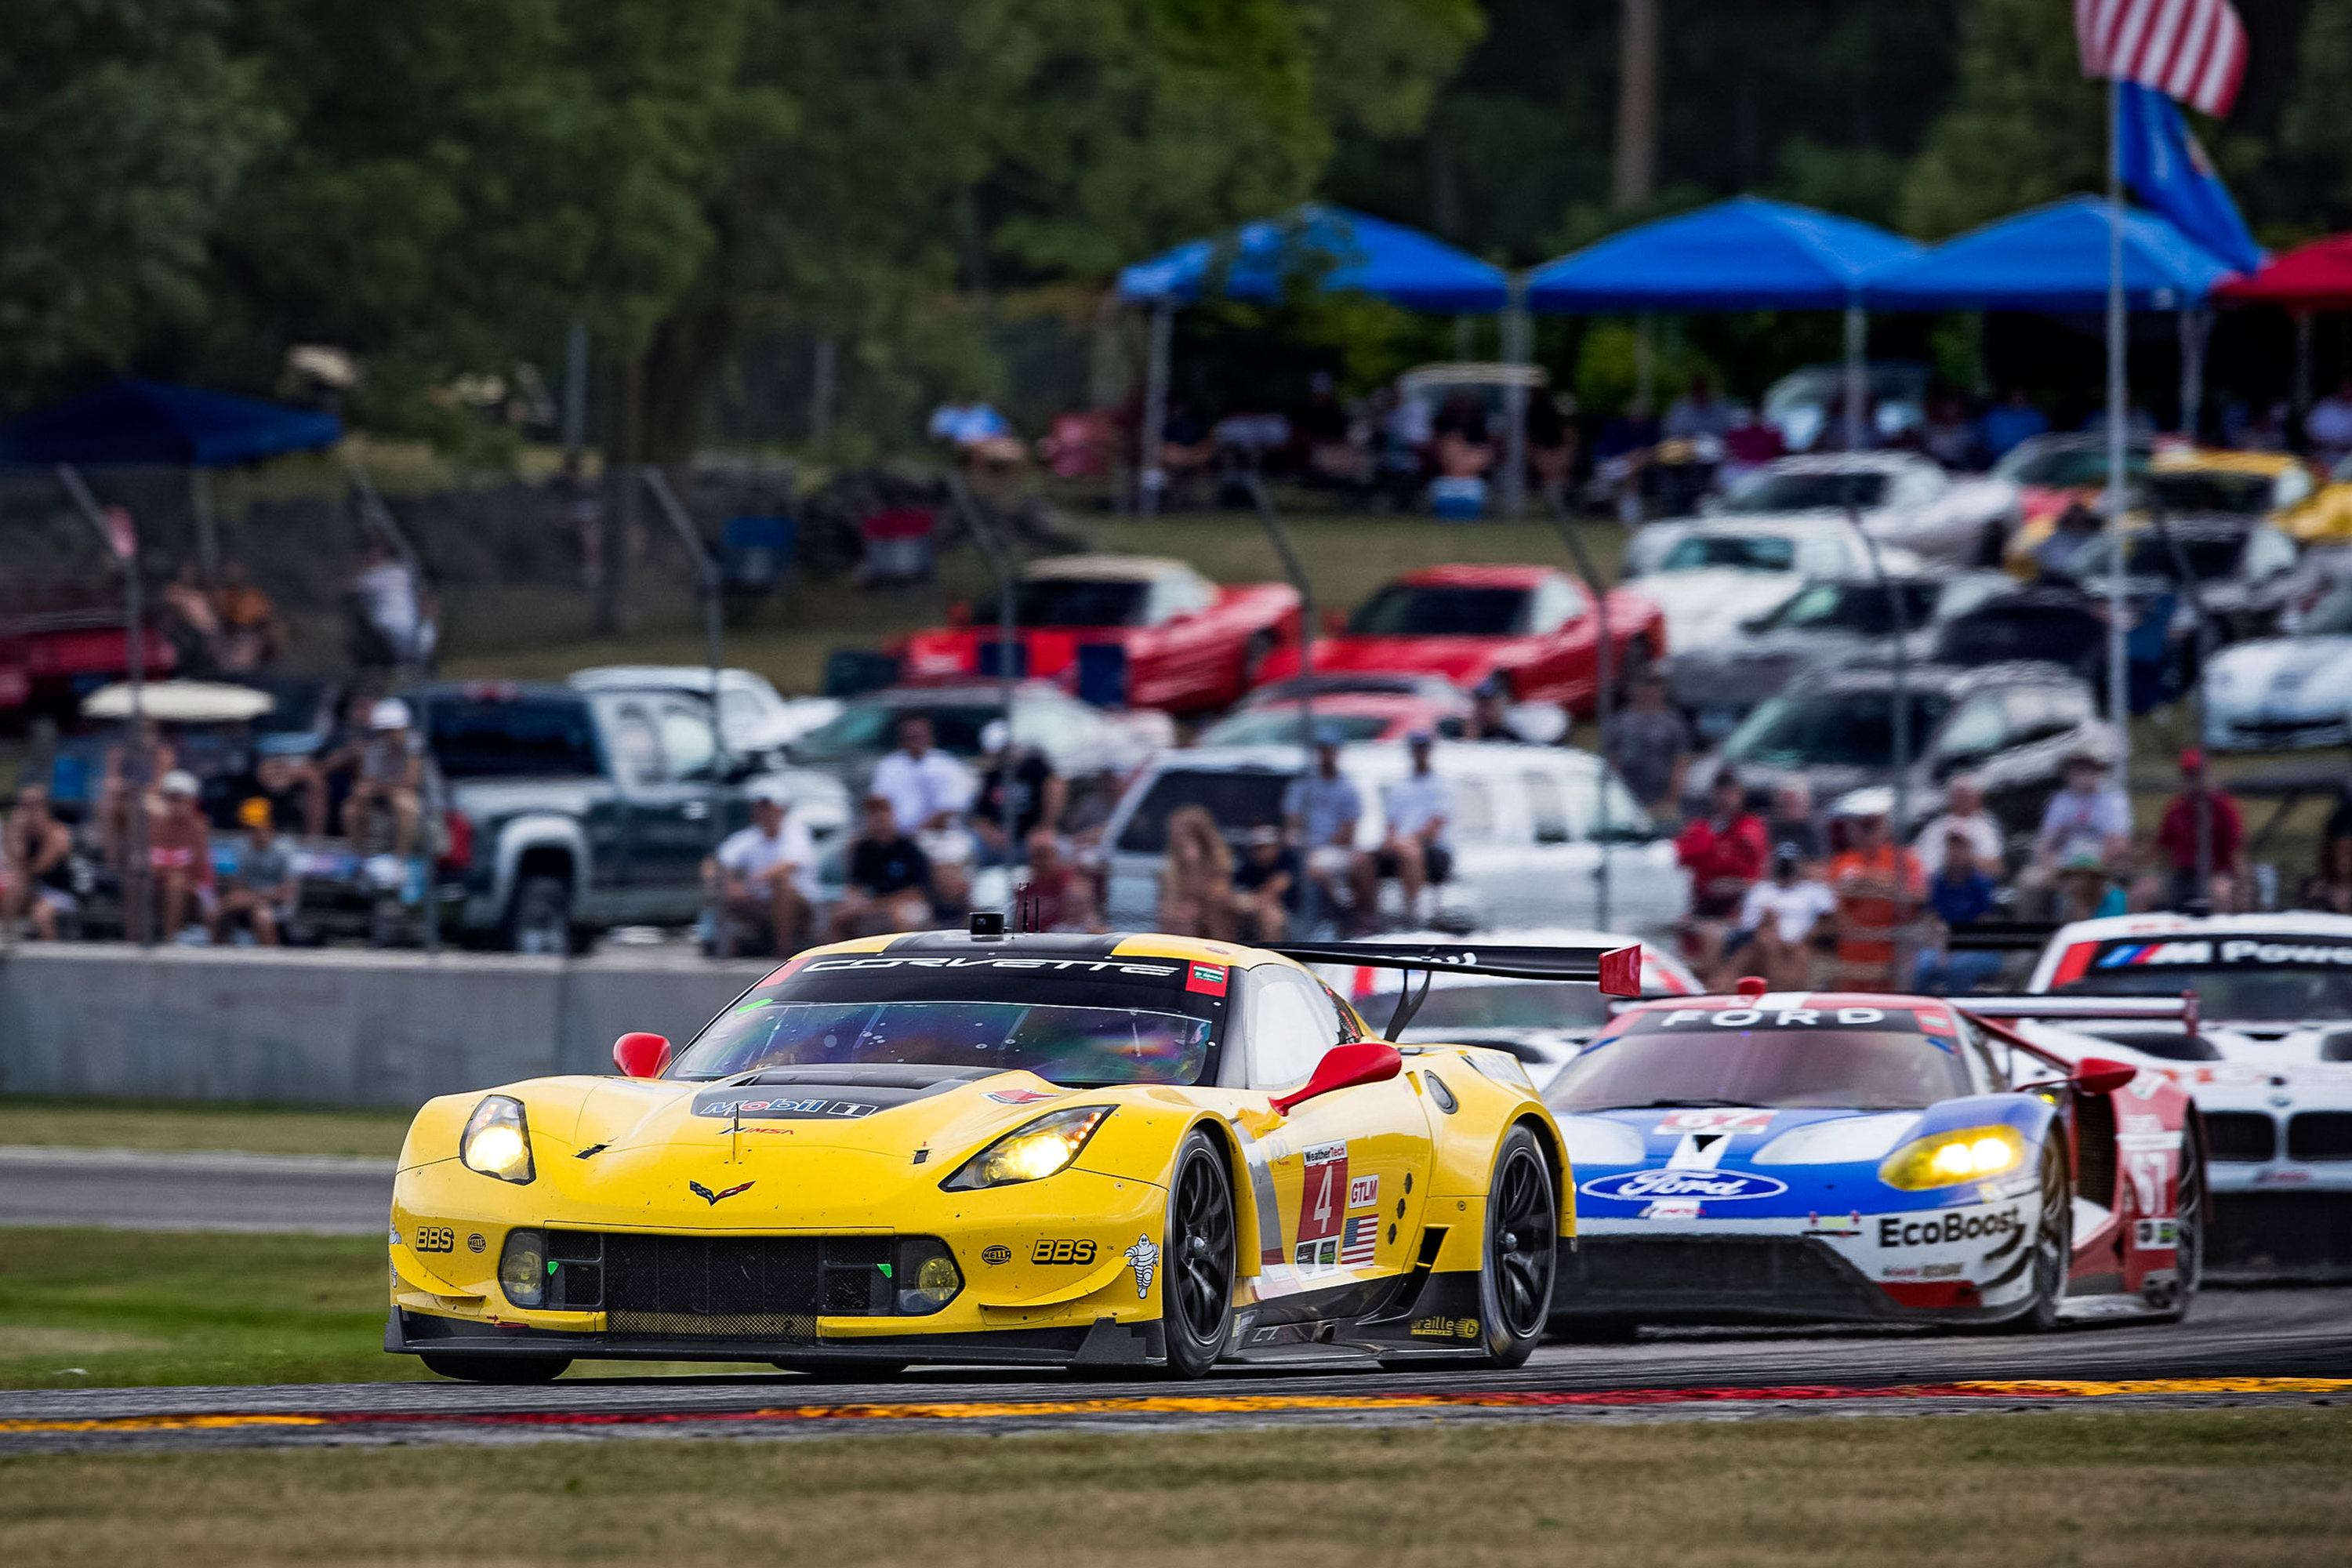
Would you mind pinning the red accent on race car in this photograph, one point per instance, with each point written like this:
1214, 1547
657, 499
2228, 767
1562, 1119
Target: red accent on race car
2076, 960
1942, 1294
1323, 1196
1621, 972
1208, 979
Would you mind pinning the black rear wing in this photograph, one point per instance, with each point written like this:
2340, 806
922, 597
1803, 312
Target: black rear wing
2000, 936
2180, 1009
1617, 970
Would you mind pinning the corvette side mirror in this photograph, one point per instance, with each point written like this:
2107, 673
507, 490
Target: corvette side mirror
641, 1055
1345, 1067
2102, 1074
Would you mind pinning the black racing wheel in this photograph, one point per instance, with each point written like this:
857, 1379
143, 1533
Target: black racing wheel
1196, 1262
495, 1368
1522, 1250
2052, 1250
2189, 1232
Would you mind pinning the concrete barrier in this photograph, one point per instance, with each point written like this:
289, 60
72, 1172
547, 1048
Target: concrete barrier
332, 1027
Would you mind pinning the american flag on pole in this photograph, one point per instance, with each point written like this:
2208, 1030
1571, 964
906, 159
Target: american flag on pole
2193, 51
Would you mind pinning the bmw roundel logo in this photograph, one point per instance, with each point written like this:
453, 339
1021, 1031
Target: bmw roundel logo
1639, 1187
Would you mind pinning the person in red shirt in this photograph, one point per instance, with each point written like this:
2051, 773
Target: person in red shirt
1724, 852
1879, 889
2225, 859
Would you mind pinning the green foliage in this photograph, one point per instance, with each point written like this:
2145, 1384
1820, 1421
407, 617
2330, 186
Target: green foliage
2023, 127
1608, 366
2314, 126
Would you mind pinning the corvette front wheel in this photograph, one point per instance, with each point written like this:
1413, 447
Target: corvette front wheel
1522, 1239
1196, 1280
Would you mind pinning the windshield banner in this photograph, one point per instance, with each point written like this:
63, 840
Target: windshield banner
1692, 1020
2227, 953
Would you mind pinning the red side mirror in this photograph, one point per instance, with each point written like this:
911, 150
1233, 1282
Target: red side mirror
1345, 1067
2102, 1074
641, 1055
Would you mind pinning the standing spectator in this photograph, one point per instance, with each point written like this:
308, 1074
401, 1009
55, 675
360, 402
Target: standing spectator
764, 879
889, 877
127, 781
1649, 745
1462, 447
1791, 830
2225, 831
2086, 816
1878, 887
191, 625
2329, 426
1779, 918
1725, 854
1489, 718
391, 774
1418, 808
2330, 888
265, 892
1551, 442
387, 619
251, 635
1060, 898
1039, 796
1696, 413
1964, 813
1624, 449
1747, 446
34, 854
1196, 884
1320, 812
1266, 886
1322, 429
180, 860
1960, 893
2008, 422
926, 788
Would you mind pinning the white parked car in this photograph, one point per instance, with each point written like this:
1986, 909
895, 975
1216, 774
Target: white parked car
1711, 575
2276, 694
753, 716
1904, 499
1527, 831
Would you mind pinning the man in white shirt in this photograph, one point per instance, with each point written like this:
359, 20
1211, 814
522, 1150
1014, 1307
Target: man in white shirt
1419, 808
2086, 815
764, 877
926, 788
1964, 813
1778, 918
1319, 812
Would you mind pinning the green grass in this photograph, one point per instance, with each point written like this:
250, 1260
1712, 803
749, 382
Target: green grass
163, 1124
2218, 1489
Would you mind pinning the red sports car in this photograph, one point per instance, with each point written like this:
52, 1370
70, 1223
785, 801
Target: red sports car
1133, 631
1533, 625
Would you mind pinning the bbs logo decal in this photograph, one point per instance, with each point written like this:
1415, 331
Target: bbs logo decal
1062, 1251
1642, 1186
1893, 1232
435, 1239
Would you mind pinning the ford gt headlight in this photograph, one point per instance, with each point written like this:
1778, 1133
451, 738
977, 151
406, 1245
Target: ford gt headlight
1947, 1159
496, 1140
1027, 1152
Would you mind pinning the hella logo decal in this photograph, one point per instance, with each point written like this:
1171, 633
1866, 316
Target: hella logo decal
1642, 1186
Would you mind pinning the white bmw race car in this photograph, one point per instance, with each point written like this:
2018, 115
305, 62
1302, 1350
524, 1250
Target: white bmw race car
2269, 1061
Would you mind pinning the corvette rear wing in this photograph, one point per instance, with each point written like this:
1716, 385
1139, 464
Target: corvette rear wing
1617, 970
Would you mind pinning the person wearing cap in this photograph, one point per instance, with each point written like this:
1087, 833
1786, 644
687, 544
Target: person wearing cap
764, 878
35, 870
1964, 813
1415, 852
2086, 891
1266, 885
1725, 852
264, 891
2088, 813
1489, 720
389, 773
1879, 888
1320, 813
1777, 917
889, 877
1039, 796
926, 788
2224, 856
180, 859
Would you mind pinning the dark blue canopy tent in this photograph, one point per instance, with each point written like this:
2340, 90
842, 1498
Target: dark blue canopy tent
131, 420
1745, 254
2052, 258
1334, 249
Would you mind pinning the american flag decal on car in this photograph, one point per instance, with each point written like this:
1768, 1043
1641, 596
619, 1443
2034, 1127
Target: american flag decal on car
1363, 1235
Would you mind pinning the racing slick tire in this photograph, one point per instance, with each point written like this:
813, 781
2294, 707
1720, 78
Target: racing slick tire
2054, 1251
538, 917
2189, 1232
1514, 1273
517, 1369
1196, 1261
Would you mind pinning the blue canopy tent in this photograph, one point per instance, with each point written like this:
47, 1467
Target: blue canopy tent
2052, 258
131, 420
1745, 254
1333, 249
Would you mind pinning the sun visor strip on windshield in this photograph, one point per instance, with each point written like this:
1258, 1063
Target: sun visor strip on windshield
1618, 970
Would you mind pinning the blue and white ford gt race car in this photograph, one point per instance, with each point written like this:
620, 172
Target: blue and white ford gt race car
1807, 1156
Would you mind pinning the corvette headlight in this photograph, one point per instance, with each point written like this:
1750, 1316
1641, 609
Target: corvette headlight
1027, 1152
1947, 1159
496, 1140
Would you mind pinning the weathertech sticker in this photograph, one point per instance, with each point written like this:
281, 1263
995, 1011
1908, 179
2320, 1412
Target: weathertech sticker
1323, 1198
1209, 979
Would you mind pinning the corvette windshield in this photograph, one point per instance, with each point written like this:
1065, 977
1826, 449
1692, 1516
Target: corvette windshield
1851, 1068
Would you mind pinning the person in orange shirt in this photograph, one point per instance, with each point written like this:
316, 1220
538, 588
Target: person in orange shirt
1879, 889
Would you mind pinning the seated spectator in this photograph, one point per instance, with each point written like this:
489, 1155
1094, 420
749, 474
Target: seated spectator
1196, 883
2085, 890
1778, 919
1725, 853
1039, 796
2086, 816
927, 789
1627, 442
2076, 527
180, 861
1186, 450
1961, 893
1878, 889
1266, 886
1419, 808
265, 892
191, 625
296, 789
1551, 442
1964, 813
1489, 718
1791, 830
889, 877
1650, 747
1320, 813
2007, 423
762, 880
389, 777
1079, 446
1696, 413
1059, 897
35, 853
251, 635
1324, 429
2225, 843
1464, 448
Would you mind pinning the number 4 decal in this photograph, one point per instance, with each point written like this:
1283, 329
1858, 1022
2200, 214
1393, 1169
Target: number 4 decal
1322, 1200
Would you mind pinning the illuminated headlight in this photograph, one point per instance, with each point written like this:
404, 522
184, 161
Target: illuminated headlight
496, 1140
522, 1268
924, 1274
1947, 1159
1026, 1153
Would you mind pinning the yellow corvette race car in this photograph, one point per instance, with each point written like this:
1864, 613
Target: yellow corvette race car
1041, 1150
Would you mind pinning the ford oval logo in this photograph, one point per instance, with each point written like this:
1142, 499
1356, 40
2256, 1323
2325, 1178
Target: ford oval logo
1638, 1186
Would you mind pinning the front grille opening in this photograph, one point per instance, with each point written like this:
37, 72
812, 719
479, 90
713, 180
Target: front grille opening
2320, 1135
766, 1287
2241, 1137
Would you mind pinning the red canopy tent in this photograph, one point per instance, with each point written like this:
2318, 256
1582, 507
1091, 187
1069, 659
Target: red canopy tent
2314, 277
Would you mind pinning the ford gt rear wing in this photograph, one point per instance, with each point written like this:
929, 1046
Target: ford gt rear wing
1617, 970
2055, 1008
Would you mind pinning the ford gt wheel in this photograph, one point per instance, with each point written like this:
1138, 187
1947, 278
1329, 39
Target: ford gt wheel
2189, 1233
495, 1368
2053, 1244
1522, 1240
1196, 1281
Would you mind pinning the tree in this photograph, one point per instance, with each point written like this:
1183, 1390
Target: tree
2023, 127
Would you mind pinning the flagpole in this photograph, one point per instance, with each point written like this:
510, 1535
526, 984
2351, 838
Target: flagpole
2118, 409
